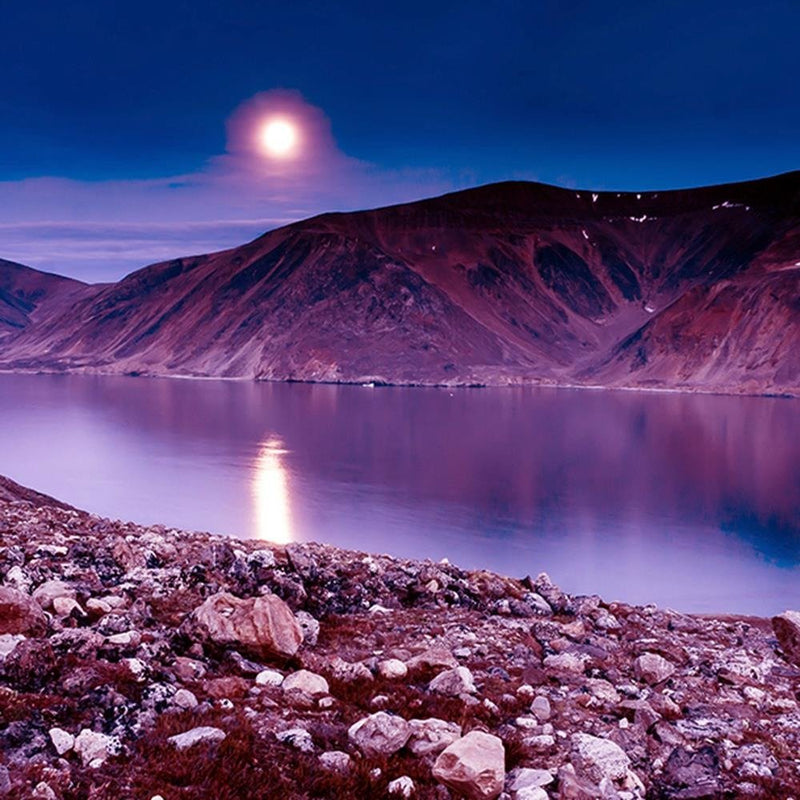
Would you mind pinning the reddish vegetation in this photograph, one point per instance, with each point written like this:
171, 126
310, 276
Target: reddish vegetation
509, 283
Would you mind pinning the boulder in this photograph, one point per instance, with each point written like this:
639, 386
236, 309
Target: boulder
431, 736
20, 613
453, 682
203, 735
94, 748
63, 741
262, 626
393, 669
305, 681
653, 668
380, 734
51, 590
473, 766
598, 759
787, 631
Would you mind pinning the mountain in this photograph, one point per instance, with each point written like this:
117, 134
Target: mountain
24, 290
510, 283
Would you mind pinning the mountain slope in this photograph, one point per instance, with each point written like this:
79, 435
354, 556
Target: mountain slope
508, 283
23, 290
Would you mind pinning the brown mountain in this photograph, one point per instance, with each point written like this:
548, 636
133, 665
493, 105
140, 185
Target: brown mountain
509, 283
24, 290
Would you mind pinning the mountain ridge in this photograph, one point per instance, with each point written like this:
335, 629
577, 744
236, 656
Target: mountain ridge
503, 284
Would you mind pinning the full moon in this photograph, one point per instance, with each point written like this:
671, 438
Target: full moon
279, 138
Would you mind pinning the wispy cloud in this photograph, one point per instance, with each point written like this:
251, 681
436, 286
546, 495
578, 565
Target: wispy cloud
98, 231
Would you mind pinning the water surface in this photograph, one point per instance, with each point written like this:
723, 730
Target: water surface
688, 501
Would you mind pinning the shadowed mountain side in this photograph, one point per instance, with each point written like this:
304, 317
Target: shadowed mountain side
504, 284
23, 290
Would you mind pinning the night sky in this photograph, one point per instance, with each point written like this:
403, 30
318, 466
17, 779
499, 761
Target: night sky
127, 128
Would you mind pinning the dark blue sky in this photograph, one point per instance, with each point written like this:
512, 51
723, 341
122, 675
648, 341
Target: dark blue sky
595, 94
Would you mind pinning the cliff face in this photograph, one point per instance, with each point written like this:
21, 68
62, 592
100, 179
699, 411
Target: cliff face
509, 283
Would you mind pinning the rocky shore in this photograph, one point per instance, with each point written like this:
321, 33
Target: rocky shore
156, 664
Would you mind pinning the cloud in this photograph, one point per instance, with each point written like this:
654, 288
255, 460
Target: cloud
100, 230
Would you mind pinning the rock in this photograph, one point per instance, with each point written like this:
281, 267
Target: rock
431, 736
568, 662
335, 760
65, 606
435, 658
125, 639
299, 738
524, 778
473, 765
653, 668
269, 677
392, 669
690, 776
787, 631
348, 672
9, 642
43, 791
203, 735
62, 740
598, 759
184, 699
401, 787
380, 734
531, 793
305, 681
541, 708
94, 748
263, 626
20, 614
453, 682
51, 590
309, 627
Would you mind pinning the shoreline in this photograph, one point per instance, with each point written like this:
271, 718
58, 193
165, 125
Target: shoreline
143, 661
379, 383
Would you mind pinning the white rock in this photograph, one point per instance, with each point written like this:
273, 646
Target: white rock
531, 793
431, 736
184, 699
309, 627
653, 668
305, 681
137, 667
380, 734
335, 760
541, 708
527, 777
401, 787
64, 606
299, 738
598, 759
568, 662
42, 791
453, 682
50, 590
204, 734
9, 642
473, 765
94, 748
125, 639
269, 677
392, 669
98, 607
62, 740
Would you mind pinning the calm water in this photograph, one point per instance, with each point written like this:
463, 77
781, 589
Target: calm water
688, 501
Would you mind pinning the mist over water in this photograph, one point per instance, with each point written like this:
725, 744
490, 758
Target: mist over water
688, 501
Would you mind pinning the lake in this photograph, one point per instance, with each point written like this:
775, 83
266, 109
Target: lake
688, 501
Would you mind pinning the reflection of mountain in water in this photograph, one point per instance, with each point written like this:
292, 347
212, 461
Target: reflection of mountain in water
776, 539
518, 461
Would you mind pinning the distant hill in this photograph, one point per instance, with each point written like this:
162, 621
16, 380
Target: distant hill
510, 283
